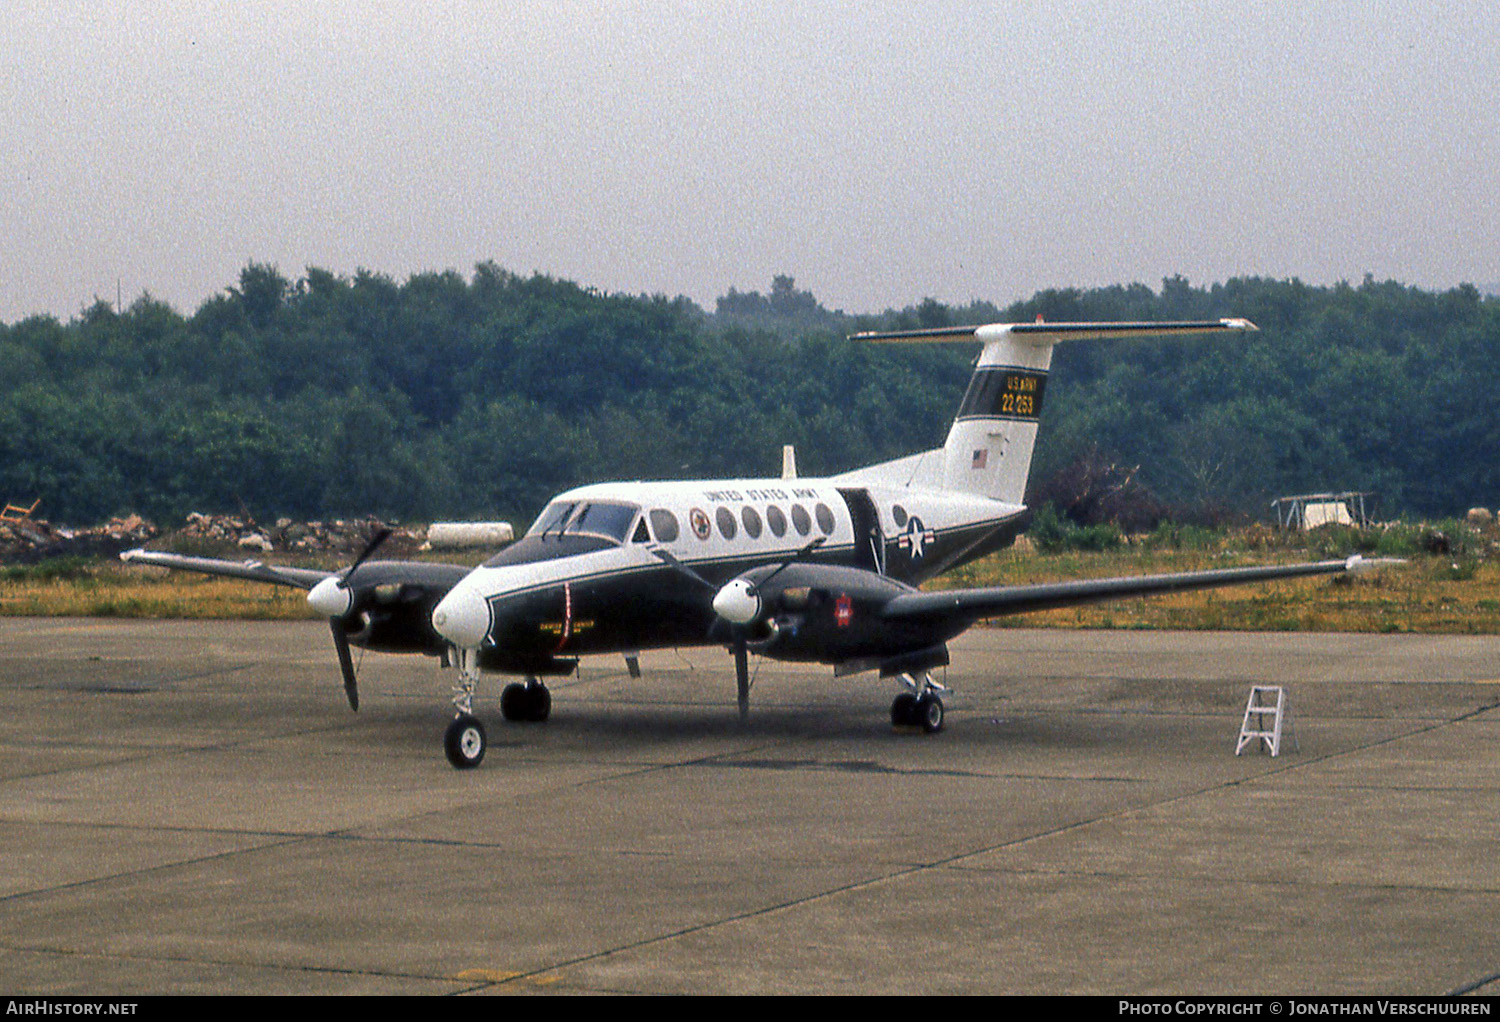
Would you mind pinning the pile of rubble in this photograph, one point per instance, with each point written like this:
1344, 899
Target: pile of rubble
339, 536
25, 540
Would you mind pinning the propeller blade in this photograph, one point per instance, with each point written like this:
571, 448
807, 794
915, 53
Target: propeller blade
381, 535
346, 663
737, 629
335, 597
668, 557
799, 555
742, 672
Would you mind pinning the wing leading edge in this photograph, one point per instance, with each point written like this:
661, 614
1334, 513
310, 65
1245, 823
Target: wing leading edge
255, 571
1002, 600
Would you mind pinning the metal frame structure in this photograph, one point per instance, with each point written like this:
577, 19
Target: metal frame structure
1291, 511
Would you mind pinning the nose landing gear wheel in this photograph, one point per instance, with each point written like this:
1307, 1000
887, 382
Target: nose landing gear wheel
464, 742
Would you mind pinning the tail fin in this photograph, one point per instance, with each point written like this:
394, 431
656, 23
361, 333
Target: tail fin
989, 447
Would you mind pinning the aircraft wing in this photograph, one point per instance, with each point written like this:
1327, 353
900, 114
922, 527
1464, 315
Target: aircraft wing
1003, 600
255, 571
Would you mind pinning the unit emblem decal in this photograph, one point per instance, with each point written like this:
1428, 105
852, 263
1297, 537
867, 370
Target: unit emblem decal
843, 610
699, 520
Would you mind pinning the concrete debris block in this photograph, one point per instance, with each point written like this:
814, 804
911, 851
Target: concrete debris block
346, 536
35, 539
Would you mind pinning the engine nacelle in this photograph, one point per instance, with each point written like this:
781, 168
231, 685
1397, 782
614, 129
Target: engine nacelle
388, 608
825, 613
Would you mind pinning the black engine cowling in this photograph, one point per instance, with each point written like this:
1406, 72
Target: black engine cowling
830, 614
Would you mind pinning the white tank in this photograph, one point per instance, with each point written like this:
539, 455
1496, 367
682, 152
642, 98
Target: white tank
468, 535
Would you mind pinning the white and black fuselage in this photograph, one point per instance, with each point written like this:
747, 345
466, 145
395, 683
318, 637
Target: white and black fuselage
591, 576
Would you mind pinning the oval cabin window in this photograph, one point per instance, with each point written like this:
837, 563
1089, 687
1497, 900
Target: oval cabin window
801, 519
664, 524
825, 519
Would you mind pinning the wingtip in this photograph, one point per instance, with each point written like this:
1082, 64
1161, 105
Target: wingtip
1361, 565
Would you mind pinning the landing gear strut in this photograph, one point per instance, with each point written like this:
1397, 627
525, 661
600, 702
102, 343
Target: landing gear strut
921, 705
464, 742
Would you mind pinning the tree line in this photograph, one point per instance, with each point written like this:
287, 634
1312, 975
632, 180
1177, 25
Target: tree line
446, 396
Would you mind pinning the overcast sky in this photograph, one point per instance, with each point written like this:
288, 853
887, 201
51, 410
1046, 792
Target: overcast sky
878, 152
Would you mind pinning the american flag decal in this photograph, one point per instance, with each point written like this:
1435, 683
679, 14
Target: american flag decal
981, 459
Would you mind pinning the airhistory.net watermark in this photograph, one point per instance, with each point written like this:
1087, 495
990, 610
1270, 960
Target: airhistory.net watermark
44, 1006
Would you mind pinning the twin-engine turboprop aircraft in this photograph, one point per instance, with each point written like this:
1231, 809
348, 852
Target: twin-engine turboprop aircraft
800, 569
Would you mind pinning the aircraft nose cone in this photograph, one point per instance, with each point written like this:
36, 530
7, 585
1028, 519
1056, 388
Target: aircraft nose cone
738, 602
463, 618
329, 598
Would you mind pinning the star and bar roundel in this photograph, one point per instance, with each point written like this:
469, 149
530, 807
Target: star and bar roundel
915, 539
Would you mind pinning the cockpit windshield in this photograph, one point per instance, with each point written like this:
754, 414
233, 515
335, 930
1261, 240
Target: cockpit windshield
611, 521
552, 518
593, 518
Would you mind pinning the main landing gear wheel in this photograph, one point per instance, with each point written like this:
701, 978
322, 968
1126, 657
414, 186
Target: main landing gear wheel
539, 698
465, 742
925, 712
930, 713
531, 702
921, 705
904, 710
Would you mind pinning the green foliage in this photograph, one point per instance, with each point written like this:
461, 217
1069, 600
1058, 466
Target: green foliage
1048, 530
1170, 535
1448, 538
1051, 533
438, 396
1328, 541
54, 569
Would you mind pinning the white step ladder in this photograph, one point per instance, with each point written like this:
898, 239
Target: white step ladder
1280, 714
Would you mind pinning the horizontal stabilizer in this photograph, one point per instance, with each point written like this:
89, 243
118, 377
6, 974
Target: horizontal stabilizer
1051, 333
